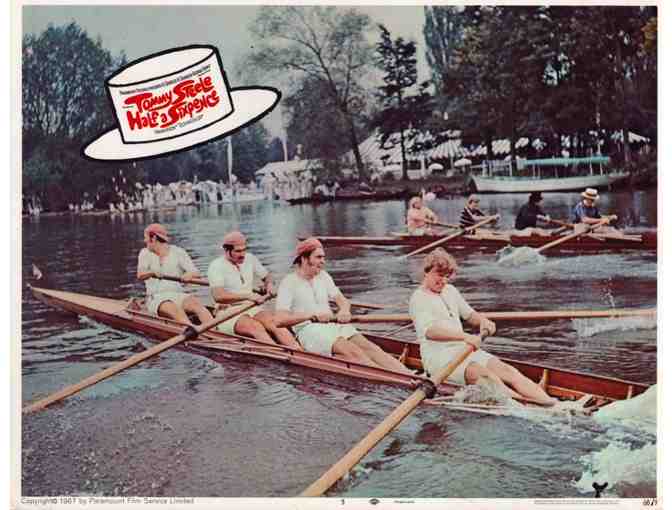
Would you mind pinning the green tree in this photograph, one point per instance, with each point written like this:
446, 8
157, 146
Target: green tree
401, 111
325, 43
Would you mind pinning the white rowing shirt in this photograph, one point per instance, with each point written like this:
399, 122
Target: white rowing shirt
224, 273
298, 295
446, 309
175, 263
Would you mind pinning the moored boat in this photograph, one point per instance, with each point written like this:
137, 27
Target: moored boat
549, 174
218, 346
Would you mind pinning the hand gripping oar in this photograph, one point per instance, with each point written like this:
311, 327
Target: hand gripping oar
427, 390
459, 233
190, 333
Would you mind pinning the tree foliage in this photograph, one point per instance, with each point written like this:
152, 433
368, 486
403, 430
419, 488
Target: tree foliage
65, 104
401, 111
323, 45
549, 72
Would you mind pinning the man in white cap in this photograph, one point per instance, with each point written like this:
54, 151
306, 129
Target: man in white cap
586, 213
165, 297
303, 302
438, 309
231, 279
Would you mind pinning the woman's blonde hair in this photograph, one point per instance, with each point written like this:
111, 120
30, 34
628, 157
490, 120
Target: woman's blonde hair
440, 260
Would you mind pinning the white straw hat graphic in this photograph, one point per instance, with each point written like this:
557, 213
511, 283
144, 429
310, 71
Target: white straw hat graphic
175, 100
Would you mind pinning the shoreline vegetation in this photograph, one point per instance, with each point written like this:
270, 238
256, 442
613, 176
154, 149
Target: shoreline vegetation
510, 82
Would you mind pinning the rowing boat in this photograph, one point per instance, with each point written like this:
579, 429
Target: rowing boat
493, 240
218, 346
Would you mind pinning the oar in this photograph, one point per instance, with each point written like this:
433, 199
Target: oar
201, 281
190, 333
194, 281
569, 237
338, 470
402, 318
565, 226
460, 232
439, 224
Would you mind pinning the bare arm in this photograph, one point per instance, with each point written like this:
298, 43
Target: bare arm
343, 314
442, 334
221, 295
145, 275
485, 325
286, 319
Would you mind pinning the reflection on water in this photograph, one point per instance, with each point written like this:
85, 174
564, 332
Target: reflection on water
307, 419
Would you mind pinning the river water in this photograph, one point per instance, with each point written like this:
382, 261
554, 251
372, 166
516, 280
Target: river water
183, 425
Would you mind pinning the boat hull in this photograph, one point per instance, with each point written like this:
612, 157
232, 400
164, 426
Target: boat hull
218, 346
584, 244
522, 185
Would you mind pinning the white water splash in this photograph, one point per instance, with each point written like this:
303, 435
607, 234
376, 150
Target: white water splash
638, 413
590, 327
514, 257
619, 463
628, 422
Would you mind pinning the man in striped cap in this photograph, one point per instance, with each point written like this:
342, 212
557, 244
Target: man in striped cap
303, 302
166, 297
232, 278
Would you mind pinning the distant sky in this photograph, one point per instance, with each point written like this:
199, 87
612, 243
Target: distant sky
141, 30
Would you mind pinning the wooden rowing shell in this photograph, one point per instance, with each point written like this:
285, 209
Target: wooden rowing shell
218, 346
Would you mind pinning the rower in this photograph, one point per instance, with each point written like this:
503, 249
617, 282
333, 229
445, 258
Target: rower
471, 214
303, 302
586, 213
167, 298
231, 277
419, 217
437, 309
526, 220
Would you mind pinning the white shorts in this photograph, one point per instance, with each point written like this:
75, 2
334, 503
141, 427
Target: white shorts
229, 327
436, 355
320, 338
154, 301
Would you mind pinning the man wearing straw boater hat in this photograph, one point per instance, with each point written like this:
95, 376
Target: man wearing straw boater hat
303, 302
165, 297
438, 309
231, 279
586, 212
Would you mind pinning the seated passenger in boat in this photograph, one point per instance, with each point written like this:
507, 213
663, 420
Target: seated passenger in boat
438, 309
526, 220
164, 297
419, 218
231, 278
586, 213
303, 302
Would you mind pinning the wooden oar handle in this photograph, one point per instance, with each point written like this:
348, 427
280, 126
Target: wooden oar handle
193, 281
